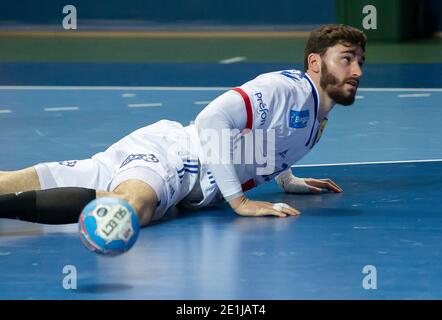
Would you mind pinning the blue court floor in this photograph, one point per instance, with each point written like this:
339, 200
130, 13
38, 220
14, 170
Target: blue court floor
385, 152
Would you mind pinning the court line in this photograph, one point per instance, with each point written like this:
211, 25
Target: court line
364, 163
5, 111
114, 88
400, 89
41, 134
61, 109
144, 105
161, 88
232, 60
414, 95
128, 95
201, 102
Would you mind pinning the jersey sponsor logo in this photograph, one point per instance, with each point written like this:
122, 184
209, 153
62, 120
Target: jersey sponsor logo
299, 119
145, 157
68, 163
262, 108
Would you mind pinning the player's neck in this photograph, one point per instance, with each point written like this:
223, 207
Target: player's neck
326, 104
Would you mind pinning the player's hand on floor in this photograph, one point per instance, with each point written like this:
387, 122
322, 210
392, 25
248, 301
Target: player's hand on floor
250, 208
291, 184
317, 185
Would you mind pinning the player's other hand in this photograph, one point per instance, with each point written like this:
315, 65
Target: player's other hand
317, 185
250, 208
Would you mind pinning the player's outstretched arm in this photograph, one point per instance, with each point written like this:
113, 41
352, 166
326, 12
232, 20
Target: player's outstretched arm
251, 208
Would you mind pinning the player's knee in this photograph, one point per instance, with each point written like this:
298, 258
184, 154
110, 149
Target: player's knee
143, 207
144, 204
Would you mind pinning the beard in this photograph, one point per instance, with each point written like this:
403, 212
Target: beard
334, 88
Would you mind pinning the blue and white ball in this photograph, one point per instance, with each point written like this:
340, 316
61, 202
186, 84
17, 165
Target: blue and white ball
108, 226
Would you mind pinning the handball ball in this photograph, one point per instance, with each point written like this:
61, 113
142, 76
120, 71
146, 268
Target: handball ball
108, 226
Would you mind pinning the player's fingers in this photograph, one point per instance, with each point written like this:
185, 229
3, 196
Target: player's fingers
270, 211
290, 210
286, 209
277, 213
314, 182
323, 184
334, 184
330, 186
314, 190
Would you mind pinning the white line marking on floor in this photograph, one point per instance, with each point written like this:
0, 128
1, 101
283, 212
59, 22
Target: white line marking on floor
5, 111
128, 95
363, 163
39, 133
154, 88
202, 102
400, 89
114, 88
61, 109
359, 97
232, 60
144, 105
414, 95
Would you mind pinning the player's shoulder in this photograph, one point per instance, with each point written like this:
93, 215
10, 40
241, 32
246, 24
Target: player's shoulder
291, 82
291, 78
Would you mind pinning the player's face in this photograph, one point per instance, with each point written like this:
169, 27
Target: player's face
341, 69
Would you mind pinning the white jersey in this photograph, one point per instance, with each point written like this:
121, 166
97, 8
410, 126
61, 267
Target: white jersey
169, 157
285, 102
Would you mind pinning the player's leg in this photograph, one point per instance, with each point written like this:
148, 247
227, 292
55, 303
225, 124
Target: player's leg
50, 193
63, 205
141, 188
144, 189
67, 186
140, 195
19, 181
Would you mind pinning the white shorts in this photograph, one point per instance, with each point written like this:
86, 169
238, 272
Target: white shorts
153, 154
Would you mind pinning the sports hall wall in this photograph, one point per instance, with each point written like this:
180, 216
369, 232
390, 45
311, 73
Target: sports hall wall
150, 13
173, 11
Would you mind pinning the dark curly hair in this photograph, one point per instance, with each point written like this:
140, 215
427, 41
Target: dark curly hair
329, 35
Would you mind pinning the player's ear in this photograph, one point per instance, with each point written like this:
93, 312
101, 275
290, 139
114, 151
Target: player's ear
314, 62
